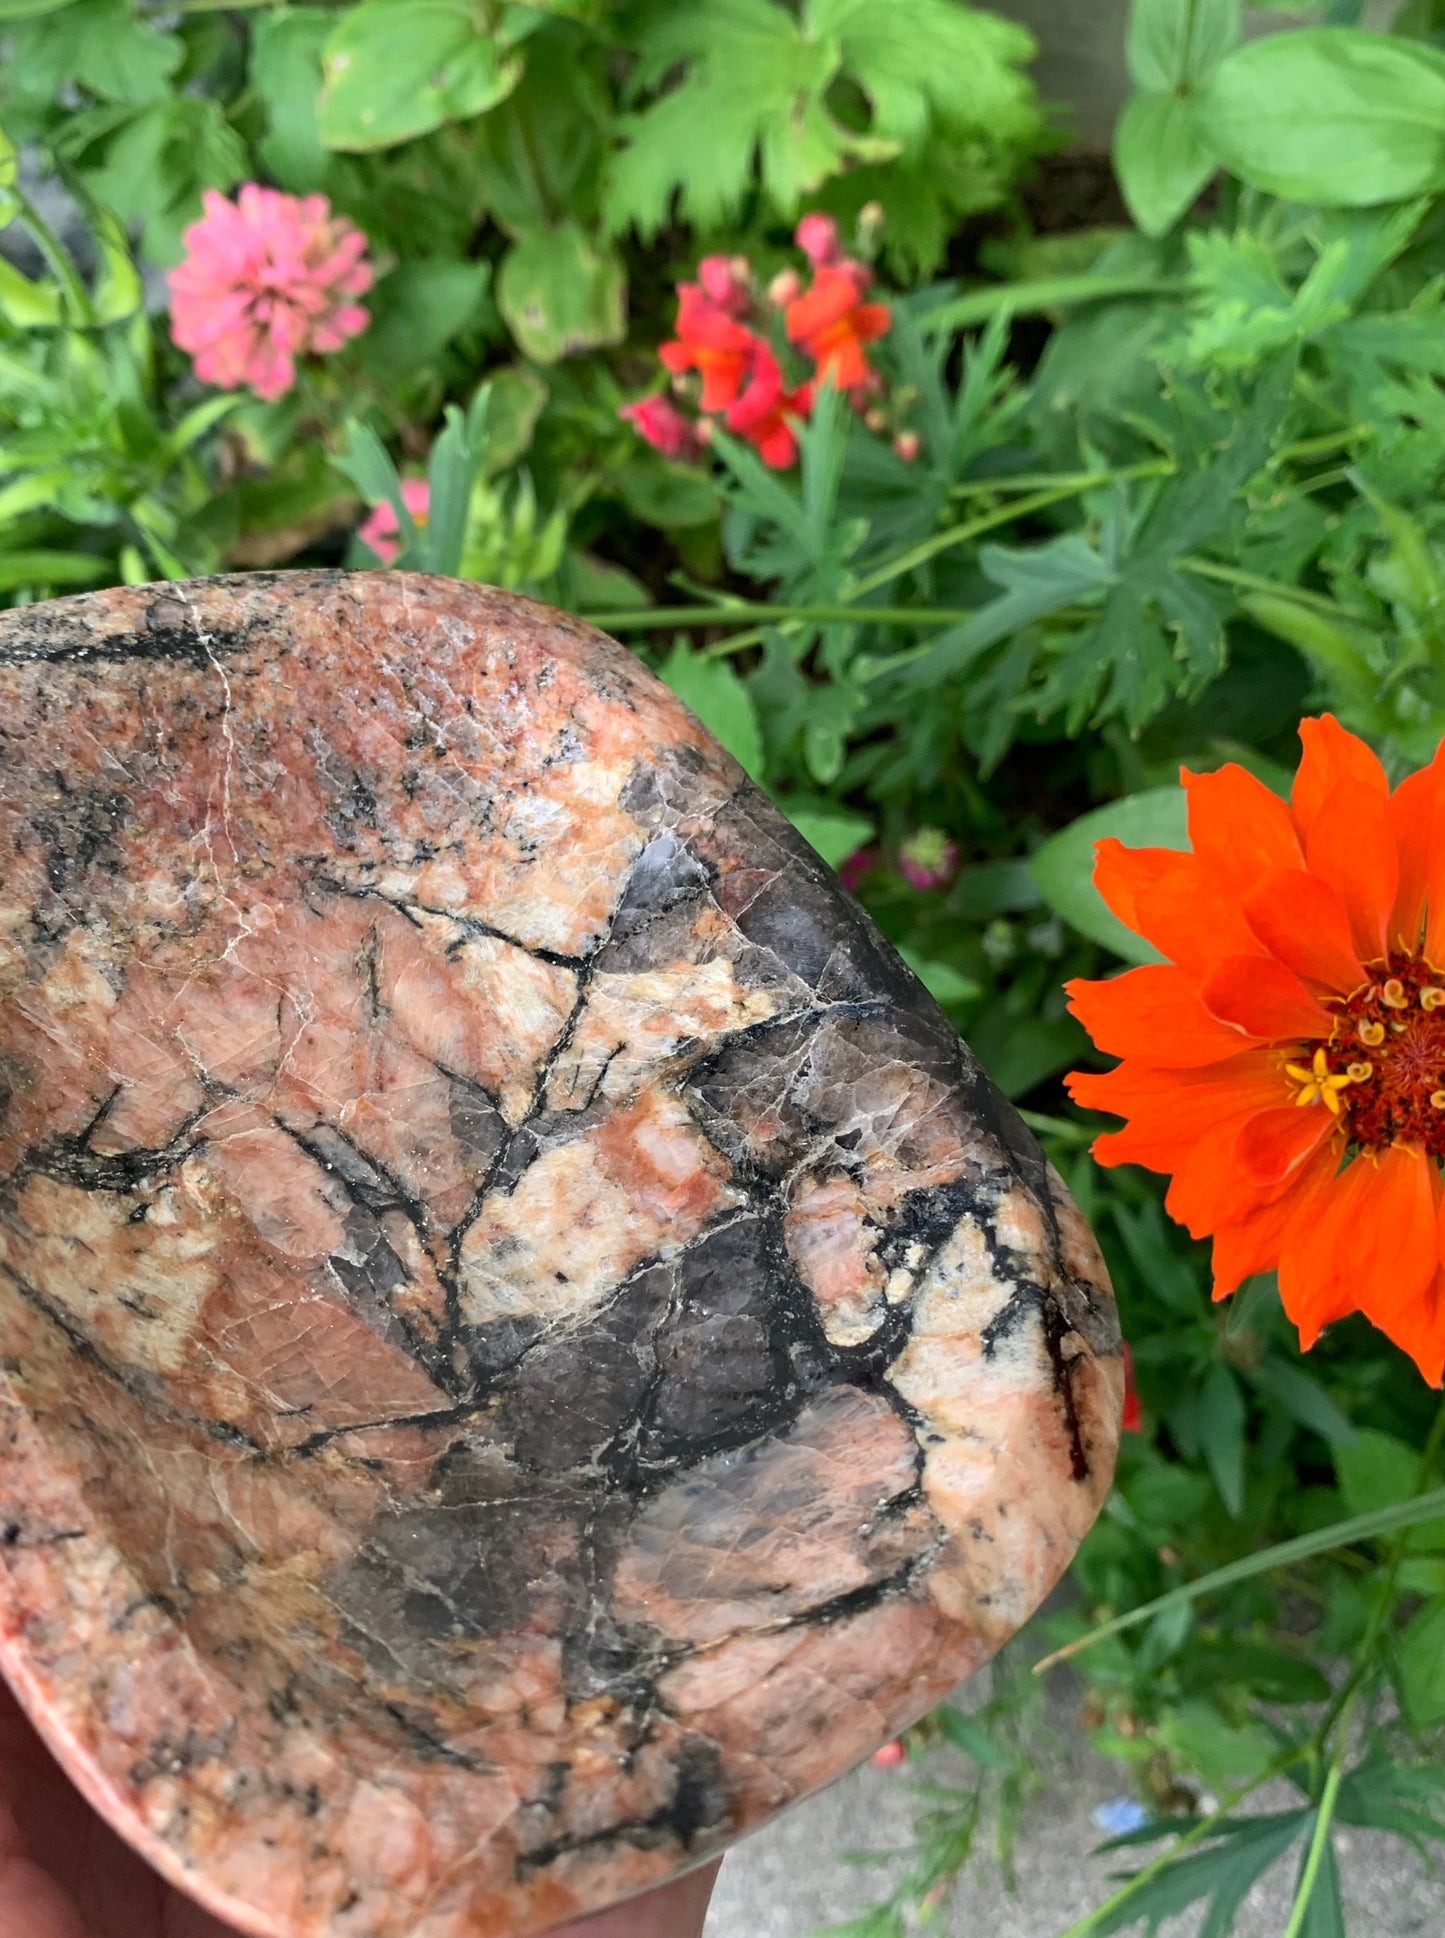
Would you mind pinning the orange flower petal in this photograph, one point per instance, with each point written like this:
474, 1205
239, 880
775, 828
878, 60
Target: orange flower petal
1302, 922
1371, 1238
1172, 900
1415, 807
1351, 846
1155, 1013
1238, 828
1273, 1143
1167, 1108
1252, 1244
1332, 755
1408, 1310
1210, 1188
1260, 996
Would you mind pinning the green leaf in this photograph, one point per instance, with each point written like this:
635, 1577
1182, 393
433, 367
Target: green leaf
118, 56
286, 48
1221, 1433
712, 689
674, 497
25, 304
418, 309
944, 983
1220, 1752
1063, 867
1160, 160
1331, 115
1222, 1876
456, 459
1284, 1554
833, 833
30, 9
396, 69
1304, 1399
1420, 1666
1174, 44
560, 293
518, 398
1376, 1470
1383, 1794
1037, 580
39, 568
965, 1733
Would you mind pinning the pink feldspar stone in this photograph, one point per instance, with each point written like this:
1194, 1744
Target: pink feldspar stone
526, 1342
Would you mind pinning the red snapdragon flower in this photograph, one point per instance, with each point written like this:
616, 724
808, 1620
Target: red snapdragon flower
663, 425
712, 343
832, 324
766, 412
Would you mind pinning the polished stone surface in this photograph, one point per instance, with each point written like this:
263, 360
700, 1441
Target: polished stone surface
526, 1342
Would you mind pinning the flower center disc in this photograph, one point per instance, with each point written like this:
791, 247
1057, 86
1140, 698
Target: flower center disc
1389, 1048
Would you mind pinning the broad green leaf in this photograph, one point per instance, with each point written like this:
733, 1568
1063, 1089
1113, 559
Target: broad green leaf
1420, 1666
674, 497
833, 833
1375, 1470
1173, 44
1331, 115
944, 983
418, 309
1160, 160
286, 49
712, 689
519, 396
396, 69
560, 293
31, 9
25, 304
1221, 1752
1063, 867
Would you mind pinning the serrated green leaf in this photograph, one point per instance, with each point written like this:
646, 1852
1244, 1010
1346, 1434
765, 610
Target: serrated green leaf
712, 689
1332, 115
1160, 160
1063, 868
1324, 1915
561, 293
1222, 1876
1376, 1470
1420, 1667
395, 69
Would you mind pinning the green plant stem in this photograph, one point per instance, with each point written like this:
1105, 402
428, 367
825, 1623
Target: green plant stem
670, 618
1340, 1534
1044, 293
1319, 1841
1072, 487
1252, 582
57, 258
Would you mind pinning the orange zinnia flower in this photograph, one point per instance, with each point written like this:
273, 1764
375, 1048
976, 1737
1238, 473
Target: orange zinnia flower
832, 323
1287, 1066
711, 342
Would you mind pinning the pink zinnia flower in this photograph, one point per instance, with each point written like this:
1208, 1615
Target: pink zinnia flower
382, 531
267, 278
928, 859
663, 425
817, 236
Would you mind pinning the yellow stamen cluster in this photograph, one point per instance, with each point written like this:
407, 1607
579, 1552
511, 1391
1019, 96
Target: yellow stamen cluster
1319, 1084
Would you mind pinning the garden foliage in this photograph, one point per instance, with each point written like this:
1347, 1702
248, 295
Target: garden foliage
1108, 499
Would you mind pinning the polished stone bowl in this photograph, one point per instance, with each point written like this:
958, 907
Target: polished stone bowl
526, 1341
